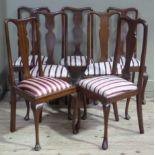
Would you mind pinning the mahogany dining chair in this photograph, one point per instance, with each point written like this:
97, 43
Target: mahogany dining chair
36, 90
112, 88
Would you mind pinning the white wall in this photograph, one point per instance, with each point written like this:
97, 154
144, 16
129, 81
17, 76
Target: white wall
145, 11
3, 56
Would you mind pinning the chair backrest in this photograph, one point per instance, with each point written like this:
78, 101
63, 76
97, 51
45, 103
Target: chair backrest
125, 12
29, 13
77, 31
131, 40
24, 9
50, 36
23, 43
103, 33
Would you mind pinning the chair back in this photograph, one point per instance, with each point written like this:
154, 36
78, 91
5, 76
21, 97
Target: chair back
52, 32
26, 12
21, 32
127, 12
103, 33
78, 34
23, 9
131, 41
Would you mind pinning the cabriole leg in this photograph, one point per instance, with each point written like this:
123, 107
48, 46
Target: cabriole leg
127, 117
115, 111
37, 109
106, 110
27, 116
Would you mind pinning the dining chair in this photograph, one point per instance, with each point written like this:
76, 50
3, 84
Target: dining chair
25, 12
36, 90
112, 88
76, 53
53, 36
135, 62
99, 29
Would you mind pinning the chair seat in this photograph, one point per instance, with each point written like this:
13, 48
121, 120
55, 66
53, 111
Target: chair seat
18, 61
101, 68
56, 71
76, 61
134, 61
107, 86
42, 86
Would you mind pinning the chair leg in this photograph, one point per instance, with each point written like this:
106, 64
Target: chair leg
139, 113
20, 75
87, 100
115, 111
106, 110
27, 116
13, 111
145, 79
84, 116
37, 109
133, 76
69, 107
127, 116
76, 99
40, 115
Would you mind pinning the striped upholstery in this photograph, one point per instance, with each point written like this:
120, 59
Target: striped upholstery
107, 86
134, 61
76, 61
101, 68
18, 61
42, 86
57, 71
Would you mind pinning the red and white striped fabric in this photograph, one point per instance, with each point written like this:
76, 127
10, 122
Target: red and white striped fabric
107, 86
134, 61
18, 62
42, 86
56, 71
101, 68
76, 61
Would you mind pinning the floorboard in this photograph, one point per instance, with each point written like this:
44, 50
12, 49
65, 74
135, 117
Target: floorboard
56, 136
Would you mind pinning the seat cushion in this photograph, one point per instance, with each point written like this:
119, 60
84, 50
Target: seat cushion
101, 68
42, 86
76, 61
18, 61
107, 86
134, 61
57, 71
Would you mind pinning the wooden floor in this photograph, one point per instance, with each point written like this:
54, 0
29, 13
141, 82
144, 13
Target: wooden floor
56, 135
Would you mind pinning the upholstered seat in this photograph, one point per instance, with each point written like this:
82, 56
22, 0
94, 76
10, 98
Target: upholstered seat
76, 61
107, 86
18, 61
134, 61
101, 68
57, 71
42, 86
